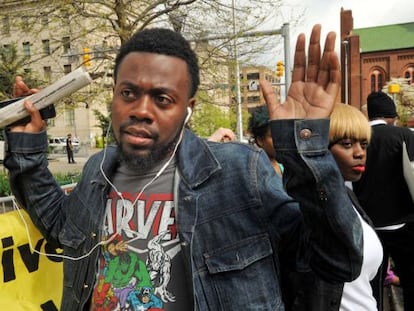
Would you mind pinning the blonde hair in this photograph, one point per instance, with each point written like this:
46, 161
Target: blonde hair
348, 122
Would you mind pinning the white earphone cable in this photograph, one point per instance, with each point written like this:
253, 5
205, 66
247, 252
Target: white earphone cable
15, 205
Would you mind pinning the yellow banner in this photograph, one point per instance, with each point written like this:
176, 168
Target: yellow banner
28, 280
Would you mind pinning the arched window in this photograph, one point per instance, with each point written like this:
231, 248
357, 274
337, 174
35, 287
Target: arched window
377, 80
409, 74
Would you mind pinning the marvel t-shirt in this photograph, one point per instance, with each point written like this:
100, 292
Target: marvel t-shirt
141, 267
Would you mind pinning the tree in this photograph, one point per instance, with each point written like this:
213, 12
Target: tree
404, 100
104, 125
102, 25
11, 65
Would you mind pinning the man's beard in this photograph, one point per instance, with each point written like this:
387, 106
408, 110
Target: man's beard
145, 162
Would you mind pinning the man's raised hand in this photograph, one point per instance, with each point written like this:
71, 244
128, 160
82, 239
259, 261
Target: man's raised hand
315, 81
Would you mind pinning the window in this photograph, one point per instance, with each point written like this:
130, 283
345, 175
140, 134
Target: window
253, 99
7, 50
46, 47
99, 51
25, 22
6, 25
47, 73
380, 82
409, 74
66, 45
65, 17
253, 76
377, 80
44, 19
373, 81
26, 49
69, 116
67, 68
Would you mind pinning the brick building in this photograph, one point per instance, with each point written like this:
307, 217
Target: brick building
370, 57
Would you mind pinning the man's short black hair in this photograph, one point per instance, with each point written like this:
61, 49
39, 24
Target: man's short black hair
162, 41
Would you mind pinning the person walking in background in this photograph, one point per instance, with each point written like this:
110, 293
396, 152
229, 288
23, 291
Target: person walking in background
259, 128
69, 148
168, 220
383, 192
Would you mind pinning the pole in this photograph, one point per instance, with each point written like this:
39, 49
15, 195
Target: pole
286, 37
239, 131
346, 72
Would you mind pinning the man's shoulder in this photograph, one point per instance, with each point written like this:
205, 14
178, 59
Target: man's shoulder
108, 155
385, 128
232, 149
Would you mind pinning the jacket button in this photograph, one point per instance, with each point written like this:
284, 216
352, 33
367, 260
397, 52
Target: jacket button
305, 133
93, 235
85, 285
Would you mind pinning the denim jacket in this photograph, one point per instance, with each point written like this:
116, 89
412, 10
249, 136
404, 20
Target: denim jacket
235, 220
311, 293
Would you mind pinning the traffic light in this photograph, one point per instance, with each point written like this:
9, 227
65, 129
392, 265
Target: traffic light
280, 69
86, 57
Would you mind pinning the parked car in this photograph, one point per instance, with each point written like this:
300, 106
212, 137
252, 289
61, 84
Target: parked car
58, 144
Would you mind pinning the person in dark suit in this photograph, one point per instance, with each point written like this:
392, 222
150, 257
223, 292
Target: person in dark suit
383, 192
69, 149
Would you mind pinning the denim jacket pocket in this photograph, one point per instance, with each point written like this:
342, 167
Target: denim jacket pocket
71, 236
246, 265
238, 255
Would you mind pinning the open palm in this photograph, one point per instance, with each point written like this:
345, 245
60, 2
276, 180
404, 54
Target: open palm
315, 82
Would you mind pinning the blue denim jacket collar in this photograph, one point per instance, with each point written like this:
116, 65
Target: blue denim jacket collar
196, 162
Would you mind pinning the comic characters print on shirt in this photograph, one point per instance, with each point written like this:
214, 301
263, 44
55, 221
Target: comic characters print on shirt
135, 271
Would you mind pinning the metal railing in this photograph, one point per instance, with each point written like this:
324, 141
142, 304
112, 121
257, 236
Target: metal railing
7, 203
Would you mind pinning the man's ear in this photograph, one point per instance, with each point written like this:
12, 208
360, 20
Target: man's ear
191, 103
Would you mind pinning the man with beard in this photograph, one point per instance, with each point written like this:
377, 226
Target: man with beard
219, 215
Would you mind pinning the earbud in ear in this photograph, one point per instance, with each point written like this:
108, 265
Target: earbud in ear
189, 112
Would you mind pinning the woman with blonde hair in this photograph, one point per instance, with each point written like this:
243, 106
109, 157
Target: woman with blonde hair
349, 136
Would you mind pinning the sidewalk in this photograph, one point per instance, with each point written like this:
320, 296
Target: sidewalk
58, 162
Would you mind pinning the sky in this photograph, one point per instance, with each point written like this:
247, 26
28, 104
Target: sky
366, 13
